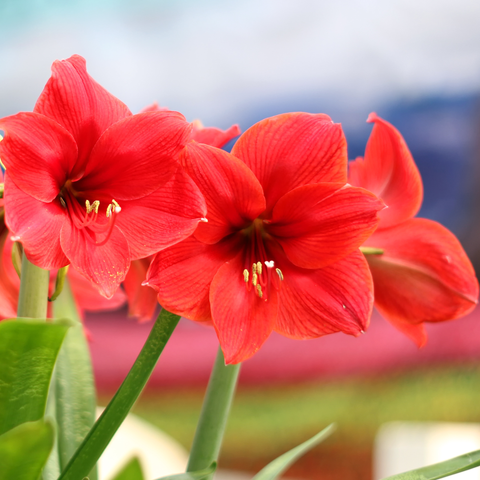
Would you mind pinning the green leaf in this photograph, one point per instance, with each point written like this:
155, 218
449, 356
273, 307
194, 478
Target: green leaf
112, 417
279, 465
442, 469
24, 450
74, 390
28, 350
131, 471
197, 475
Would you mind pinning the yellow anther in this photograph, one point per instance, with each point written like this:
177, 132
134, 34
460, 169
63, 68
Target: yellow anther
259, 268
92, 207
254, 268
246, 274
254, 279
279, 273
259, 291
114, 207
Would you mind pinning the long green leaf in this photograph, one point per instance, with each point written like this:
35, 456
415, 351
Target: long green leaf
74, 384
131, 471
279, 465
112, 417
24, 450
442, 469
28, 350
197, 475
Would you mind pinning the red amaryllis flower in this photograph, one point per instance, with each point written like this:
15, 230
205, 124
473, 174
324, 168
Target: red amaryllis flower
423, 274
90, 184
280, 248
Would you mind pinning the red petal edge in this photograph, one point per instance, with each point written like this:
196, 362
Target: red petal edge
389, 171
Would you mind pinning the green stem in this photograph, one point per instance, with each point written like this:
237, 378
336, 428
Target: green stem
33, 298
74, 385
213, 419
112, 417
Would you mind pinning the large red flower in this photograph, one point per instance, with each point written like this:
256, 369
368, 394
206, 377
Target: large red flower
90, 184
423, 274
280, 248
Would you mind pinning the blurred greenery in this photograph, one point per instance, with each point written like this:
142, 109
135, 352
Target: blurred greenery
268, 420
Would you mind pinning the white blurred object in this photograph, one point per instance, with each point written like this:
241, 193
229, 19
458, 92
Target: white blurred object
158, 453
403, 446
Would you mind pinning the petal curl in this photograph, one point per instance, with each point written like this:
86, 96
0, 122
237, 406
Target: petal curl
36, 225
104, 265
77, 102
242, 320
291, 150
182, 275
38, 152
424, 274
135, 156
213, 136
337, 298
321, 223
142, 300
232, 193
389, 171
163, 218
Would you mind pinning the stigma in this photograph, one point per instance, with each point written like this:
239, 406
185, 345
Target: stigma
261, 279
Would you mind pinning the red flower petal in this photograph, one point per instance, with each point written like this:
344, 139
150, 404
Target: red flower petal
163, 218
105, 265
233, 195
37, 226
390, 172
182, 275
9, 282
291, 150
213, 136
416, 333
38, 153
87, 296
135, 156
337, 298
142, 300
242, 320
77, 102
423, 276
321, 223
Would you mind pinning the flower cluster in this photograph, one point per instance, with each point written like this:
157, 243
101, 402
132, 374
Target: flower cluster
275, 236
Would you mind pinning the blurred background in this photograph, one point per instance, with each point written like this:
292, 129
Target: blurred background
417, 64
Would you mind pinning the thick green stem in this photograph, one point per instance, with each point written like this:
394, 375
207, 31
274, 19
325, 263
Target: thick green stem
112, 417
214, 415
33, 298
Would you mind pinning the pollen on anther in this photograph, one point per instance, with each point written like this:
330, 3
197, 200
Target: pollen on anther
254, 268
279, 273
254, 279
259, 268
259, 291
246, 275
